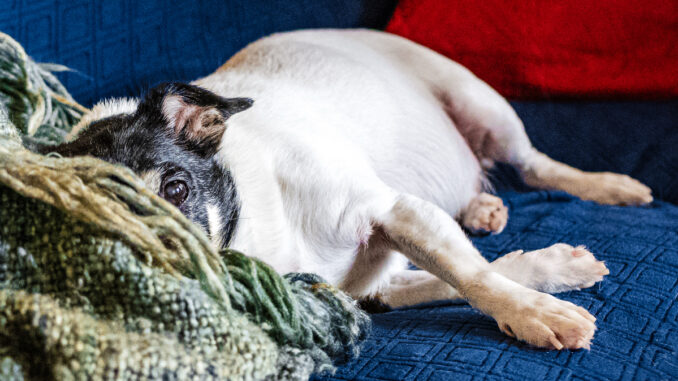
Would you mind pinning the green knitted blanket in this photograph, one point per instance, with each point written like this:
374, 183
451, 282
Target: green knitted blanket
100, 279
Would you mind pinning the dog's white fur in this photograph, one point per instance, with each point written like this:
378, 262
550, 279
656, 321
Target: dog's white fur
361, 150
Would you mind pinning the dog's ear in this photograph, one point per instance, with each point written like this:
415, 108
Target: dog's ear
196, 116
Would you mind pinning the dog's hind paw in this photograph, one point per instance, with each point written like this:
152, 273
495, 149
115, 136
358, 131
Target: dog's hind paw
613, 189
557, 268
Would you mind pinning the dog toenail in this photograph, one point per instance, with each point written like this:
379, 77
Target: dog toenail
556, 344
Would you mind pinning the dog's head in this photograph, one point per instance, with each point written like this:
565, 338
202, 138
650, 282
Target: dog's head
169, 139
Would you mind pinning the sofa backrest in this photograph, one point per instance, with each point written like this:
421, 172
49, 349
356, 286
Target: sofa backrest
121, 47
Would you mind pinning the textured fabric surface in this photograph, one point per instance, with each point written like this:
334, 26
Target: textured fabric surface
637, 337
30, 95
536, 48
122, 47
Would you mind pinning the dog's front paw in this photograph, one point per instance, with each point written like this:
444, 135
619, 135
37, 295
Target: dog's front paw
613, 189
485, 214
547, 322
557, 268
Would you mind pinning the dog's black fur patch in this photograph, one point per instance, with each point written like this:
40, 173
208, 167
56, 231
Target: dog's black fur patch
373, 305
143, 142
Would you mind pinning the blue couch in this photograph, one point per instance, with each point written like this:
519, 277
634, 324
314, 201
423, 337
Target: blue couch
122, 47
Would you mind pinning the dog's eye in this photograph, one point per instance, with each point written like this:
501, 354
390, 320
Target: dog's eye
175, 192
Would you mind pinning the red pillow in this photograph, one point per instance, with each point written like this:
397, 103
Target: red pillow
532, 49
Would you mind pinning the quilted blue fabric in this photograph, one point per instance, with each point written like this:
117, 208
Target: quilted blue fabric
122, 47
637, 337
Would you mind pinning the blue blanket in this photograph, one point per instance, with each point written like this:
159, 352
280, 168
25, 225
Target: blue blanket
636, 307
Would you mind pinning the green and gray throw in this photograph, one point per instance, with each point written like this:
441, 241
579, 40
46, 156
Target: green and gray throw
101, 279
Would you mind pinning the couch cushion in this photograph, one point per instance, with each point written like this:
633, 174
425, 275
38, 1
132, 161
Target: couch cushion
636, 308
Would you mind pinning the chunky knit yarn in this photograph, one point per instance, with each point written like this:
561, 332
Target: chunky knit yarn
101, 279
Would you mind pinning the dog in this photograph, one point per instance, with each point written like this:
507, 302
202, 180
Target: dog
349, 154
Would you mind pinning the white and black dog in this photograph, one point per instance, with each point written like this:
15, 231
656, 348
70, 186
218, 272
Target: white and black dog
360, 151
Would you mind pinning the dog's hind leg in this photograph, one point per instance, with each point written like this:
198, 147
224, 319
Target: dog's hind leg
557, 268
494, 131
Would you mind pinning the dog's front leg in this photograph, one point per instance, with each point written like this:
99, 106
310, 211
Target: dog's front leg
432, 240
